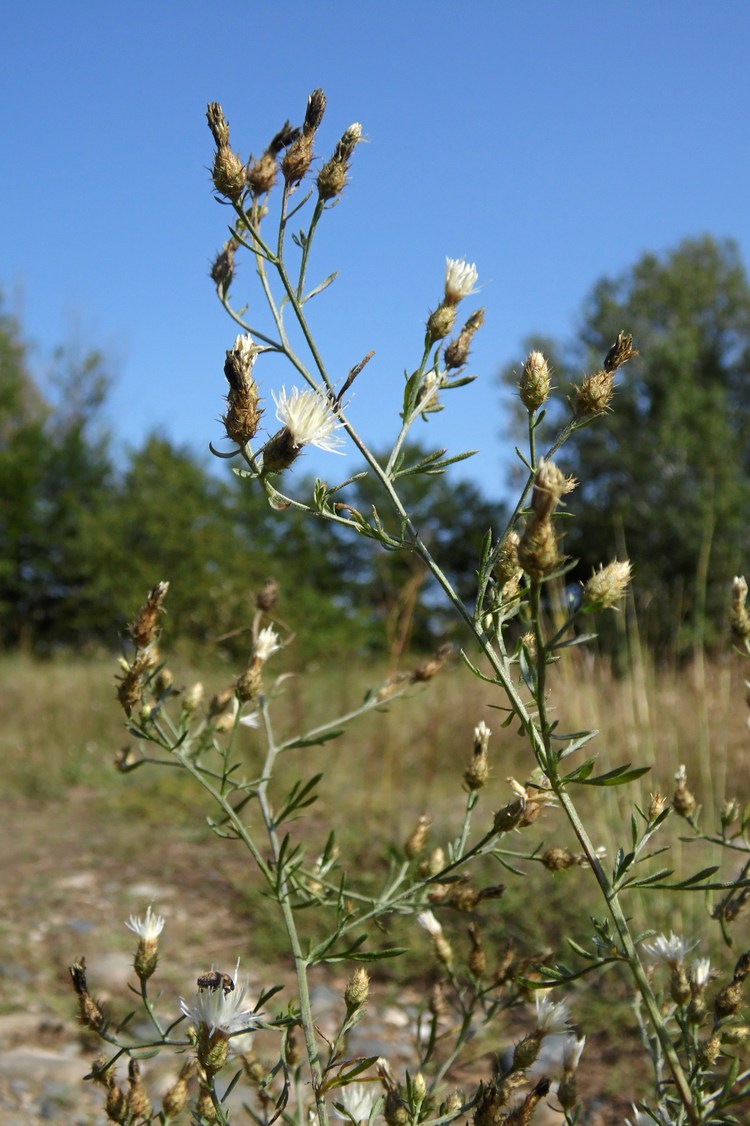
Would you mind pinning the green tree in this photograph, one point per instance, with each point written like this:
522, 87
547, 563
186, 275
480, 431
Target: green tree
665, 480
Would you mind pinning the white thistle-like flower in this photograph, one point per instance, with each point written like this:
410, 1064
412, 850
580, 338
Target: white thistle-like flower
552, 1017
668, 951
427, 920
149, 928
482, 733
572, 1051
460, 279
309, 418
246, 348
358, 1100
701, 972
267, 644
216, 1010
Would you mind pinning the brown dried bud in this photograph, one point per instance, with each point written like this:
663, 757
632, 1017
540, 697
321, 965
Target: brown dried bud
139, 1104
509, 816
478, 770
261, 174
535, 382
222, 270
116, 1105
679, 986
228, 174
683, 802
265, 599
709, 1052
176, 1097
316, 105
249, 683
395, 1111
522, 1115
332, 176
457, 352
656, 806
280, 451
477, 957
550, 486
90, 1013
557, 859
416, 840
217, 123
144, 629
621, 351
491, 1107
462, 898
742, 969
431, 667
594, 394
537, 550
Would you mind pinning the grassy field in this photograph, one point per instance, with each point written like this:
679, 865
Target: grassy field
87, 846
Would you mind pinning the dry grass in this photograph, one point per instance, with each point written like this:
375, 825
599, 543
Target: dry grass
69, 817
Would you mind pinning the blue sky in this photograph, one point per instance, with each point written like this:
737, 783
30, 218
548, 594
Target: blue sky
550, 143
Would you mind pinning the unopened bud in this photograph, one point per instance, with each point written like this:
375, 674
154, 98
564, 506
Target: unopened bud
357, 989
440, 323
507, 566
477, 957
457, 352
621, 351
537, 551
139, 1104
594, 394
265, 599
656, 806
193, 698
549, 487
606, 586
176, 1097
415, 842
535, 382
228, 174
557, 859
683, 801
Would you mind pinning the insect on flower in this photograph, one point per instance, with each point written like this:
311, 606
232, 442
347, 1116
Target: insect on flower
214, 979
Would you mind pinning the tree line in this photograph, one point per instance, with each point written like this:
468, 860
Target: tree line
664, 480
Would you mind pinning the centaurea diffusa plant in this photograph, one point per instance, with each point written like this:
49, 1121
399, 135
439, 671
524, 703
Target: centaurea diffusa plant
508, 625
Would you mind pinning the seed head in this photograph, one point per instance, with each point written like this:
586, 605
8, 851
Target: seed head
144, 629
537, 551
683, 801
217, 123
550, 486
621, 351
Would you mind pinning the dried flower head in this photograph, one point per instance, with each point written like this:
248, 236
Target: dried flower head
332, 176
457, 352
477, 772
144, 629
550, 486
537, 549
683, 801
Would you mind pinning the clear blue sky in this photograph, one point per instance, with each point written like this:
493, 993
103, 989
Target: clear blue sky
550, 143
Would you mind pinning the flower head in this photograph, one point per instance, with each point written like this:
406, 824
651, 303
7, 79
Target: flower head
552, 1017
357, 1100
460, 279
669, 951
217, 1010
149, 928
309, 417
427, 920
700, 972
267, 644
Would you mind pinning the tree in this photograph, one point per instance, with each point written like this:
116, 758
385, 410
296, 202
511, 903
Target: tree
664, 477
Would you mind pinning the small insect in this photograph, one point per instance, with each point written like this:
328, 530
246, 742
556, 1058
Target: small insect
214, 979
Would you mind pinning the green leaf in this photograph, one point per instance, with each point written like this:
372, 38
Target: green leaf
620, 776
312, 740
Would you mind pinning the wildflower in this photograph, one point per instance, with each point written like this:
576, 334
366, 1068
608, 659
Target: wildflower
357, 1102
668, 951
267, 644
149, 929
567, 1090
478, 770
216, 1014
427, 920
442, 946
332, 176
552, 1017
700, 972
460, 280
308, 419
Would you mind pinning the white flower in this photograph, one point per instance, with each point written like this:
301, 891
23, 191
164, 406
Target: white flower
427, 920
669, 951
460, 279
217, 1010
246, 348
572, 1051
701, 972
267, 644
149, 929
309, 418
552, 1017
482, 733
358, 1100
